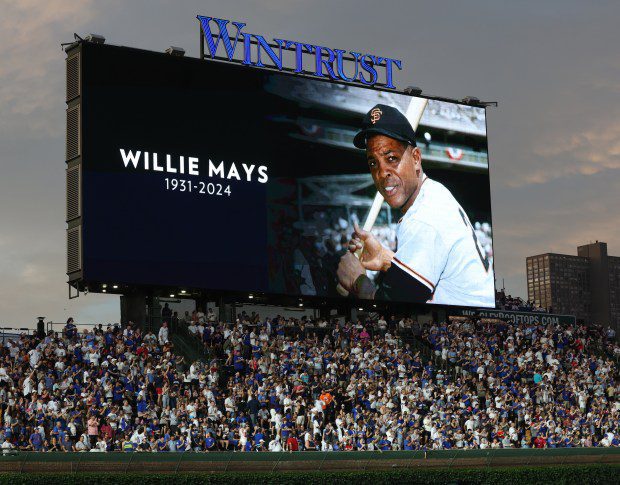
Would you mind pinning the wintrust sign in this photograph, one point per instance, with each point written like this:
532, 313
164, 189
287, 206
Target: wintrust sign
255, 50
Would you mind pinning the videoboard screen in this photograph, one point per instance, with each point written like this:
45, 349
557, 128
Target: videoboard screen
207, 175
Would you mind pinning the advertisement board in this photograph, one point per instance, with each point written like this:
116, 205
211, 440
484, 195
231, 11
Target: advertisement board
518, 317
202, 174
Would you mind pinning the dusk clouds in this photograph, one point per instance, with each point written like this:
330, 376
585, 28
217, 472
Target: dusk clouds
554, 140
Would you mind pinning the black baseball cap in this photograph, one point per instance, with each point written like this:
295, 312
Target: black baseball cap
388, 121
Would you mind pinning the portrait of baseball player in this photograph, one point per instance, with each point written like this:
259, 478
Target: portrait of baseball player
438, 258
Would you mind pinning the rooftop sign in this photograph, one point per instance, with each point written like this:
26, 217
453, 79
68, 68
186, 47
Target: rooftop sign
236, 45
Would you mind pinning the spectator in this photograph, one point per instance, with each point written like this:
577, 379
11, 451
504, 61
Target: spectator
292, 444
162, 336
166, 312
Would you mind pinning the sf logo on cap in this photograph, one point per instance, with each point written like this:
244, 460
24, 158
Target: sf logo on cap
375, 114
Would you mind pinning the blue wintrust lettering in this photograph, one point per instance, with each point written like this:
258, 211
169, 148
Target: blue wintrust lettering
255, 51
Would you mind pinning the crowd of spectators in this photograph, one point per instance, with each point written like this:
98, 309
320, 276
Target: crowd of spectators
515, 303
287, 385
438, 114
468, 117
530, 385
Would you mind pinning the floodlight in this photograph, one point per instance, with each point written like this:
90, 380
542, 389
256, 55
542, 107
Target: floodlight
95, 38
175, 51
413, 90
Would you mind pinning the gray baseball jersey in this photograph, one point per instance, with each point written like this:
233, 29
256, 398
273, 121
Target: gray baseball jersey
437, 246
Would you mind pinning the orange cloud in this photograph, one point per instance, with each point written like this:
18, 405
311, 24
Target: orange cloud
31, 67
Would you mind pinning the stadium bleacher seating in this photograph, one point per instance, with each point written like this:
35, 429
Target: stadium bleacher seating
276, 384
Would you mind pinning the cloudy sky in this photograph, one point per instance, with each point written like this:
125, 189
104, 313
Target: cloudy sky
554, 141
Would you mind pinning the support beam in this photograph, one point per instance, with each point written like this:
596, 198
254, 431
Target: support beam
133, 308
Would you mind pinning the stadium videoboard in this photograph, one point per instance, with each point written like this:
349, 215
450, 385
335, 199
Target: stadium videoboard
208, 175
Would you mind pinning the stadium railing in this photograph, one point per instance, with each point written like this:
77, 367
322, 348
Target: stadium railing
7, 333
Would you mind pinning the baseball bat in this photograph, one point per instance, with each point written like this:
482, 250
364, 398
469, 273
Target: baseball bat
414, 115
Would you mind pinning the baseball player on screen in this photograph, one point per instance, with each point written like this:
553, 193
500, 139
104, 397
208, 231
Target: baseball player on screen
438, 258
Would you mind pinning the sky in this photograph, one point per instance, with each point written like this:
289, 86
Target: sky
554, 140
